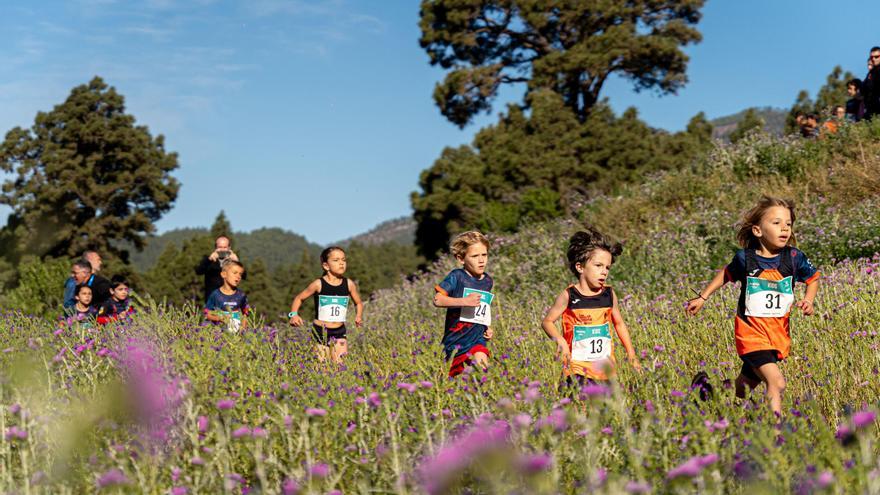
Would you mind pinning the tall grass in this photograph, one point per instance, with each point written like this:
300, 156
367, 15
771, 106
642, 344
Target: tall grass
168, 404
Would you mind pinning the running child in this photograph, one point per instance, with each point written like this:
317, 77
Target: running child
331, 293
119, 305
589, 310
228, 304
767, 268
466, 293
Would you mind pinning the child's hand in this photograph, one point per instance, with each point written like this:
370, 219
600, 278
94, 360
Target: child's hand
296, 321
562, 351
489, 333
472, 300
806, 306
634, 361
695, 305
358, 321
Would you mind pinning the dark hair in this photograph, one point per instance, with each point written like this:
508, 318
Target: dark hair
85, 265
875, 49
855, 82
80, 287
117, 280
584, 243
325, 254
744, 235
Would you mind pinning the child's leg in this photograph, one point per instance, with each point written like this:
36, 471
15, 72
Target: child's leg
339, 349
747, 376
481, 359
322, 351
772, 376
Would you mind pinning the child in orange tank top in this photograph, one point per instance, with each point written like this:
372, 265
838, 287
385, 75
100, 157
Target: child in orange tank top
589, 311
767, 267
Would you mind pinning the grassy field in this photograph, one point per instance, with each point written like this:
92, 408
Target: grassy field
166, 404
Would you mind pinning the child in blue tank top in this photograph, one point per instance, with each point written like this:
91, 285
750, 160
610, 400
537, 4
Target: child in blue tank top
331, 293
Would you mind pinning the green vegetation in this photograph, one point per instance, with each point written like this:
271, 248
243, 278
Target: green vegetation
570, 51
537, 166
207, 411
85, 177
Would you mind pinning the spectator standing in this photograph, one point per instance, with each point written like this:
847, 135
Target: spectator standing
871, 84
82, 273
855, 105
212, 265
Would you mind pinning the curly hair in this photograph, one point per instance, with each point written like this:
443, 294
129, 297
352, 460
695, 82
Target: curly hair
584, 243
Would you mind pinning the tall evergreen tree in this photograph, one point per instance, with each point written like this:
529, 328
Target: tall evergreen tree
570, 48
221, 227
750, 122
85, 176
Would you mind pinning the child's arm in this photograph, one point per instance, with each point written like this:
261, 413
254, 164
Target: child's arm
358, 304
310, 289
695, 304
623, 334
806, 304
549, 326
442, 300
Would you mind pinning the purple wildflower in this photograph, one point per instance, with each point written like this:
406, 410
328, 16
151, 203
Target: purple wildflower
112, 477
15, 433
533, 464
289, 487
203, 422
241, 432
692, 467
225, 404
315, 411
441, 471
863, 419
319, 470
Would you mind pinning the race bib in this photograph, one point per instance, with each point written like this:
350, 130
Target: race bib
482, 314
332, 309
591, 342
233, 324
769, 298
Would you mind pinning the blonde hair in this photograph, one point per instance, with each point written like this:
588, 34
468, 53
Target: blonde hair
463, 241
744, 235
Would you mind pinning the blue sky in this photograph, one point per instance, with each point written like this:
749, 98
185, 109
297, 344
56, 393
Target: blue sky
316, 115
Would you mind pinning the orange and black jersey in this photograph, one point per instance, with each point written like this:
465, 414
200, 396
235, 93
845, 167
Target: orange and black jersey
588, 310
766, 332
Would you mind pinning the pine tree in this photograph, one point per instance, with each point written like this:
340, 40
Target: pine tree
85, 176
749, 123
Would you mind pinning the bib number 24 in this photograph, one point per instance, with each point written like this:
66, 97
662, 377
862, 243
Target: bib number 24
481, 314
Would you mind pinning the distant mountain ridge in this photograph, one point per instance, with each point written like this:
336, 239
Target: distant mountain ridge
277, 247
774, 122
400, 230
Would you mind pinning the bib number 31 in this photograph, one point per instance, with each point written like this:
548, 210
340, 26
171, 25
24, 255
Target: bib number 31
769, 298
333, 309
591, 342
482, 314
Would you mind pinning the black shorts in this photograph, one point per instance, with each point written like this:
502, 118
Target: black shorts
323, 335
754, 360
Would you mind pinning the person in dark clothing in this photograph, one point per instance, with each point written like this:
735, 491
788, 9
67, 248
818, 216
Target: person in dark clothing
871, 85
100, 289
211, 265
855, 105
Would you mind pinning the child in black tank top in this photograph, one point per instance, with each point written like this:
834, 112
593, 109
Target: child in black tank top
332, 293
